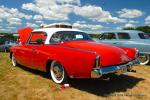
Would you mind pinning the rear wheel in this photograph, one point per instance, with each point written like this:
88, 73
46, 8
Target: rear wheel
13, 59
58, 73
144, 59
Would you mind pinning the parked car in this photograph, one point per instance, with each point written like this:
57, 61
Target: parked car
5, 47
127, 38
69, 53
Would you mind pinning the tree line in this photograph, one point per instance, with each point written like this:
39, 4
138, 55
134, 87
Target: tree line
6, 36
145, 29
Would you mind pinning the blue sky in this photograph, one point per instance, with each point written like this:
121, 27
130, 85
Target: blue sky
87, 15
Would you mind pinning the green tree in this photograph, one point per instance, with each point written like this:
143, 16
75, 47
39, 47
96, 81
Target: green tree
145, 29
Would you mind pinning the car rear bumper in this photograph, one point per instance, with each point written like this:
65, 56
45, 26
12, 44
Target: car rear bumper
97, 73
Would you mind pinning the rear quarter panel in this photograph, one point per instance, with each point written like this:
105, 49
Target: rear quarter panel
77, 63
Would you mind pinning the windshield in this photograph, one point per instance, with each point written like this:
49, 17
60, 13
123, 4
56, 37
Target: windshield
63, 36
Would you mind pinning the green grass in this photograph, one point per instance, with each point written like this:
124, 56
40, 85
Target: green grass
20, 83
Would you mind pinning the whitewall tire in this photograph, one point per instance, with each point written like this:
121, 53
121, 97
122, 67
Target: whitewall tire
13, 59
58, 73
144, 59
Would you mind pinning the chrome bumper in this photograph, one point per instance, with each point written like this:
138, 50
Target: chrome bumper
97, 73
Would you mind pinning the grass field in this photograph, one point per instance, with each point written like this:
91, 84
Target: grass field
19, 83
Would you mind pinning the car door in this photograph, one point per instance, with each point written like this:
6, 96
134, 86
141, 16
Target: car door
109, 38
124, 39
35, 49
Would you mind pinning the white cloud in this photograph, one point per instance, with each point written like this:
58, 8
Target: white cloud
1, 20
52, 9
40, 22
133, 22
38, 17
11, 27
32, 25
125, 26
14, 21
96, 14
118, 28
76, 2
130, 13
147, 20
147, 23
5, 30
28, 17
129, 25
60, 10
12, 15
82, 25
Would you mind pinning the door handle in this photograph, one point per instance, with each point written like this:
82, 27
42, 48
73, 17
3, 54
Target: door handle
34, 50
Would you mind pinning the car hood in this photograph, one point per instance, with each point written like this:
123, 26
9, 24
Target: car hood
109, 55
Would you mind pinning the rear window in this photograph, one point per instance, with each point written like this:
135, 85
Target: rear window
123, 36
143, 36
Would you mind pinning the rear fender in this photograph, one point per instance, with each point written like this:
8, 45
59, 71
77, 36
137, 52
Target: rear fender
77, 63
131, 52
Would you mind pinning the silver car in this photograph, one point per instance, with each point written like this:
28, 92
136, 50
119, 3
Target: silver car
127, 38
5, 47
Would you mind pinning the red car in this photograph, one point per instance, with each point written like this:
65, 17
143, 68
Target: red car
69, 53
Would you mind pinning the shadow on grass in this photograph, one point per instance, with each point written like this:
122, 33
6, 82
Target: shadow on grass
37, 72
106, 87
96, 86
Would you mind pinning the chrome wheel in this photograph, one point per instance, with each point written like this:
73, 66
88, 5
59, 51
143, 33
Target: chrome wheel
58, 73
13, 59
144, 59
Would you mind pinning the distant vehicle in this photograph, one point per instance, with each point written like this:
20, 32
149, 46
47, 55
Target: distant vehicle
5, 47
148, 35
127, 38
69, 53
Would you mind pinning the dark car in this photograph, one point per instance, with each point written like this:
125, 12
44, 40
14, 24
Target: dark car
5, 47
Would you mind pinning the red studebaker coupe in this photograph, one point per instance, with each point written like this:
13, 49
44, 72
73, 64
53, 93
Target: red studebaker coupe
69, 53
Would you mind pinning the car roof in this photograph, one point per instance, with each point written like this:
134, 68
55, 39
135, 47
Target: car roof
121, 31
53, 30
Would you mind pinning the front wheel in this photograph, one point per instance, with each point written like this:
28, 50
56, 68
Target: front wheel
144, 59
58, 73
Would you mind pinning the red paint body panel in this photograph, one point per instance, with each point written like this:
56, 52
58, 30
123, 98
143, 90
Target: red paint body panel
77, 63
77, 57
110, 55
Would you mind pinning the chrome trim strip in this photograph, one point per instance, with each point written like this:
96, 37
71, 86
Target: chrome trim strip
97, 73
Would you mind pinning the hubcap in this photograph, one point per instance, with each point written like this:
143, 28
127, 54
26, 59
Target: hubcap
144, 59
58, 72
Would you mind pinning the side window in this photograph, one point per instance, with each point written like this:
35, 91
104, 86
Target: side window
37, 38
143, 35
108, 36
56, 38
123, 36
